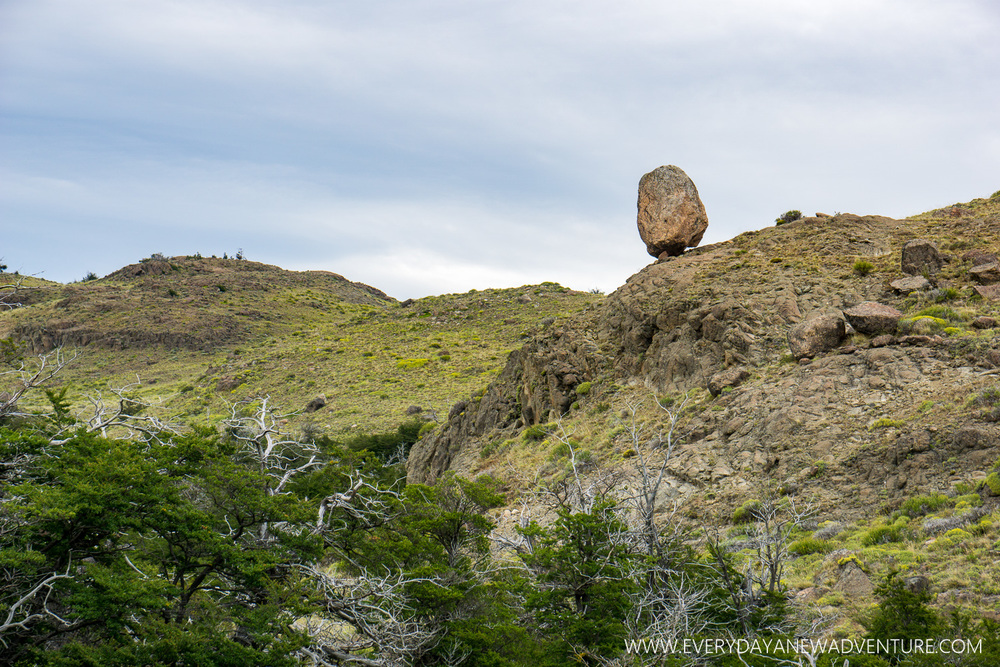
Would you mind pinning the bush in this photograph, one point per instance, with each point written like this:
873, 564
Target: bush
886, 422
410, 364
863, 267
921, 505
583, 388
536, 432
883, 534
993, 482
809, 545
749, 511
789, 216
946, 294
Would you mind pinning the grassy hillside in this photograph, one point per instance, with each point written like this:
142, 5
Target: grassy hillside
198, 334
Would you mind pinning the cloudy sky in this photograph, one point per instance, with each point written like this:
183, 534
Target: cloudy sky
433, 146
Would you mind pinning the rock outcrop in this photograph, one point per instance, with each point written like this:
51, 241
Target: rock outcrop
671, 216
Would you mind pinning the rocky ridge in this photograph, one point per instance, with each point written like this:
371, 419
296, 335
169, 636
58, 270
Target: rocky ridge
870, 418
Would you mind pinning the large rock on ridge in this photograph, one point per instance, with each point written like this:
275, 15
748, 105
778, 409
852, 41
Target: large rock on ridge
671, 216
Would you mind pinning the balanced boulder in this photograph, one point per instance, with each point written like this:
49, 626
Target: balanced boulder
671, 216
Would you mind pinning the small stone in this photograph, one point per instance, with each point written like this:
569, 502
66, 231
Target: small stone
989, 292
910, 284
883, 340
316, 404
984, 322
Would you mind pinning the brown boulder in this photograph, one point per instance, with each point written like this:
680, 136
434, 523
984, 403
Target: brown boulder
986, 274
979, 257
316, 404
921, 256
671, 216
989, 292
731, 377
815, 336
910, 284
872, 318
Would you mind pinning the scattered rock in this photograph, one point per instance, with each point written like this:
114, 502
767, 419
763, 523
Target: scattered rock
883, 340
919, 340
457, 409
316, 404
921, 256
414, 410
872, 318
984, 322
910, 284
989, 292
853, 581
917, 584
815, 336
671, 216
228, 382
731, 377
986, 274
407, 303
979, 257
523, 298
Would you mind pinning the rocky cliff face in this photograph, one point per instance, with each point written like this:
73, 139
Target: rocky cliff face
876, 414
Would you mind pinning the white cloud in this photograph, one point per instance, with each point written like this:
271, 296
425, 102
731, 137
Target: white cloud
431, 141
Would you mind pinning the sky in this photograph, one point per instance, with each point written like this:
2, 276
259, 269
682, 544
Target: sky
437, 146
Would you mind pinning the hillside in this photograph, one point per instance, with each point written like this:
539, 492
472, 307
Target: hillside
855, 433
197, 334
890, 438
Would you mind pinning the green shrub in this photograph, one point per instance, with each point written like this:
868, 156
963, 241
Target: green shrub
747, 512
921, 505
885, 422
410, 364
922, 324
941, 312
863, 267
583, 388
883, 534
993, 482
789, 216
946, 294
809, 545
972, 499
990, 396
536, 432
